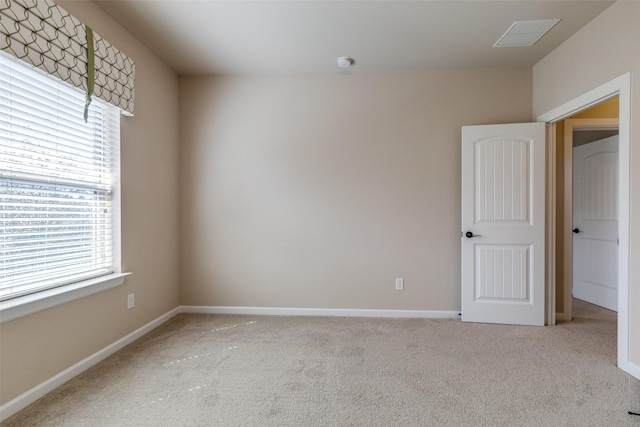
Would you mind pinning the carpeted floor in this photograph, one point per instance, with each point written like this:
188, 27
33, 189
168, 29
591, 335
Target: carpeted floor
224, 370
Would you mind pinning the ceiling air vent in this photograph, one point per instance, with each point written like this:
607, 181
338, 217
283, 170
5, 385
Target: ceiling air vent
525, 33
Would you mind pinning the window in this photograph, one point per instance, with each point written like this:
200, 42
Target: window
58, 175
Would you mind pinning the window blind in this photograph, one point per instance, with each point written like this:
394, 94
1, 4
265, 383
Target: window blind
56, 182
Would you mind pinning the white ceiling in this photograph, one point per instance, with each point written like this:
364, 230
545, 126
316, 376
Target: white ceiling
272, 37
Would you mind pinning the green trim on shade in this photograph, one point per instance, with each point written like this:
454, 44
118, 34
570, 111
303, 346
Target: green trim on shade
91, 68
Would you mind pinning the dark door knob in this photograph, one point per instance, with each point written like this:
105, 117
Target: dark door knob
576, 230
468, 234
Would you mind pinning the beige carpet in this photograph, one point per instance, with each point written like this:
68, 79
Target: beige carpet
223, 370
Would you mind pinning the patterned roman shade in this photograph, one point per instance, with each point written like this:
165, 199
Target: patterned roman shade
46, 36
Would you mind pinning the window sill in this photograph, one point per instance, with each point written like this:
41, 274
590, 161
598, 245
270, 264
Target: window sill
29, 304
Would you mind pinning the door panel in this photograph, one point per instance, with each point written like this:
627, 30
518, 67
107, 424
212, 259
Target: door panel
502, 272
501, 175
503, 210
595, 221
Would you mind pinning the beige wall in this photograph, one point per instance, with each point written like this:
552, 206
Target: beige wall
319, 190
34, 348
604, 49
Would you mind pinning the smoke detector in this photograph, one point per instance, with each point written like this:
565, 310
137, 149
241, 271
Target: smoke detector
345, 62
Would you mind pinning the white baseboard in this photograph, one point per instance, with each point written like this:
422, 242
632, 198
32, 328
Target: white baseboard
631, 369
332, 312
30, 396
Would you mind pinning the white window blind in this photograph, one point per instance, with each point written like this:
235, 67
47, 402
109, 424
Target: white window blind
56, 182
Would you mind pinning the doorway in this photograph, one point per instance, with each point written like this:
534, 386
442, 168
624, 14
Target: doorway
592, 123
621, 88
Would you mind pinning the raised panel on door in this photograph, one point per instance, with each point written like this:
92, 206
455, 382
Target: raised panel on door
503, 209
502, 174
502, 272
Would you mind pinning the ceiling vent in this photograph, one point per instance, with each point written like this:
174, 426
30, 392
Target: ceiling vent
525, 33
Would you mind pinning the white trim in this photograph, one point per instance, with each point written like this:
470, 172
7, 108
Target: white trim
585, 101
624, 181
30, 396
591, 124
620, 86
16, 308
631, 368
326, 312
550, 228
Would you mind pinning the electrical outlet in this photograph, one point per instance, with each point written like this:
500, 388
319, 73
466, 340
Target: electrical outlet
131, 301
399, 284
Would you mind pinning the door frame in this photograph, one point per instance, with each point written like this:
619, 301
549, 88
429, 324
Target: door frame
621, 87
571, 125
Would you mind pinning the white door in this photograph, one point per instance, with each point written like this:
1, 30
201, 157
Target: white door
503, 231
595, 222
